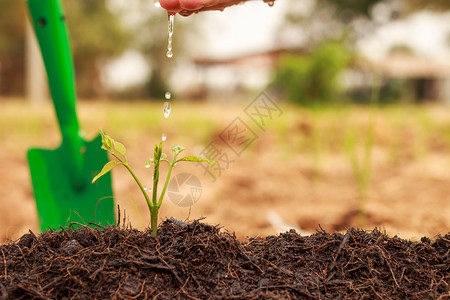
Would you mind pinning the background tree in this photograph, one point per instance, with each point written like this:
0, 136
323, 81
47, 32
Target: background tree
310, 79
12, 47
325, 31
95, 36
312, 24
100, 31
439, 5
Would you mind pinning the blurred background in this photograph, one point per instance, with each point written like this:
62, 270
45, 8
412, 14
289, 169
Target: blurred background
362, 86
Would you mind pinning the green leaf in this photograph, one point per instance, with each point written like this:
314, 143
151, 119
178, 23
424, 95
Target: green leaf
177, 149
106, 141
106, 168
120, 148
195, 159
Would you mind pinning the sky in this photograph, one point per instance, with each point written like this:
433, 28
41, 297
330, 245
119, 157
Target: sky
245, 28
252, 27
427, 33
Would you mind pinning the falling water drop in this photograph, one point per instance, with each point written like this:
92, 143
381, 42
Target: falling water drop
156, 3
168, 95
164, 137
271, 2
167, 109
171, 19
169, 53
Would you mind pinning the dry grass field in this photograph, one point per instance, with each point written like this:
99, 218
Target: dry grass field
296, 170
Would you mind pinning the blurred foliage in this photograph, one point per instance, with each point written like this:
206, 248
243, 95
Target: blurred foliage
339, 16
349, 9
440, 5
96, 36
391, 90
357, 8
312, 79
12, 47
100, 31
353, 19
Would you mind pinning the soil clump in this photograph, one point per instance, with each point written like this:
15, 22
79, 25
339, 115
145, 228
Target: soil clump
199, 261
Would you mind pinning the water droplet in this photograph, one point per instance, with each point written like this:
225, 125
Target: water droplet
171, 19
167, 109
168, 95
271, 2
145, 188
156, 2
148, 163
169, 53
185, 13
164, 137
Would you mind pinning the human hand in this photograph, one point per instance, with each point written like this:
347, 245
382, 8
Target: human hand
188, 7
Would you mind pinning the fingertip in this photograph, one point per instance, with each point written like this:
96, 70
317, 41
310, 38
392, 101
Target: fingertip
170, 5
192, 4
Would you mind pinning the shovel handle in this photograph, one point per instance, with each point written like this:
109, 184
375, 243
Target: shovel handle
48, 20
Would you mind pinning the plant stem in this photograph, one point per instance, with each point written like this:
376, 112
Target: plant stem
167, 179
149, 204
155, 183
165, 185
154, 220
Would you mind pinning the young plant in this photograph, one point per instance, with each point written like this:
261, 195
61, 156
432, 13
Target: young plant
118, 150
362, 170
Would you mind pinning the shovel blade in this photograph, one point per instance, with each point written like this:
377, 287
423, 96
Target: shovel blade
59, 200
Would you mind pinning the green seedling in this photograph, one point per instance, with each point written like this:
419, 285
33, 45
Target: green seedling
362, 170
118, 150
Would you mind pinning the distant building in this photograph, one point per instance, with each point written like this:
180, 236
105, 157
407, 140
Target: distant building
428, 80
235, 74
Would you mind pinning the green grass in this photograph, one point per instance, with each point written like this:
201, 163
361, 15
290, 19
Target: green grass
402, 133
314, 134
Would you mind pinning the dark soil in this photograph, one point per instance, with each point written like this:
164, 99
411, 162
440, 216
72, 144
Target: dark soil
198, 261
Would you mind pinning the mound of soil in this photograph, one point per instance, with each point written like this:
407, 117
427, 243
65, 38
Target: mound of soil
199, 261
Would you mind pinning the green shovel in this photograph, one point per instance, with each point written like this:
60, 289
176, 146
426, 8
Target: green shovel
62, 178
